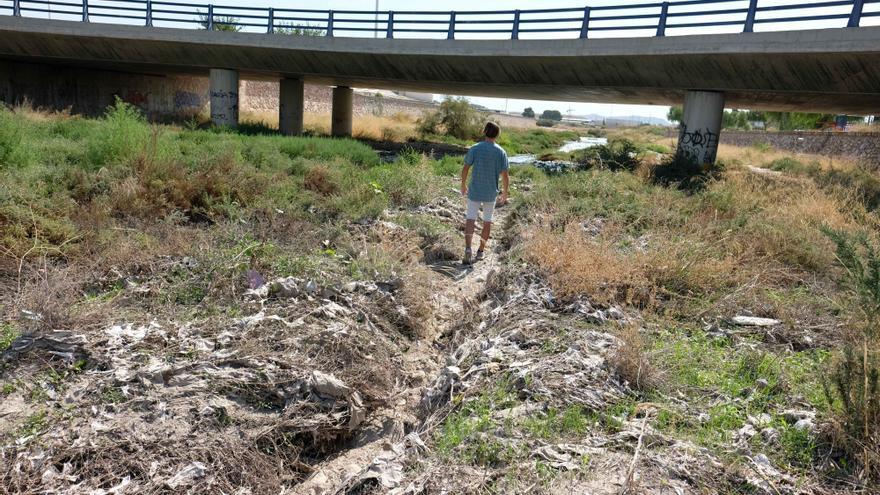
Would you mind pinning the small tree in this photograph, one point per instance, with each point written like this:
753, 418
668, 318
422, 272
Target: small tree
528, 113
554, 115
221, 22
675, 114
856, 374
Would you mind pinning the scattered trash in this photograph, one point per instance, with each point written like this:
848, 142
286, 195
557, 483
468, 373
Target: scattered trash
754, 321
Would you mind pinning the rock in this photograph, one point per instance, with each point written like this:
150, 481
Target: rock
754, 321
311, 287
597, 317
762, 384
805, 424
615, 313
760, 420
792, 416
329, 385
770, 435
746, 432
285, 287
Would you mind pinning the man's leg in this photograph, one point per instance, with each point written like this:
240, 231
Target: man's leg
488, 211
469, 227
484, 236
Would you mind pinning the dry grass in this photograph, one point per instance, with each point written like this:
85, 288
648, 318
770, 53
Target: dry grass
742, 233
630, 361
762, 157
397, 127
578, 265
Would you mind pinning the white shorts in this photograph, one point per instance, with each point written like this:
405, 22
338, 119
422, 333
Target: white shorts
474, 206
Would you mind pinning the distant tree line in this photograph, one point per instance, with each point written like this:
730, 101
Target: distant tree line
551, 115
782, 121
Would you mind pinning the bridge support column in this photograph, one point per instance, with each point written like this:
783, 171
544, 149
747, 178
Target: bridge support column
343, 109
701, 126
224, 97
290, 107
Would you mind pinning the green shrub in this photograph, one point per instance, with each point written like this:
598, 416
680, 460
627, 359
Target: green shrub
855, 375
618, 154
124, 134
456, 117
684, 173
789, 164
12, 152
545, 123
448, 165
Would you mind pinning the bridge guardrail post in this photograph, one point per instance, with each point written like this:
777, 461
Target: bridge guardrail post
451, 34
85, 11
148, 15
16, 8
210, 20
750, 17
330, 24
514, 33
855, 18
585, 26
270, 24
661, 24
389, 32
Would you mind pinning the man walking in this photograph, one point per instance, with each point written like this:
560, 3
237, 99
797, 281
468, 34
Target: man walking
489, 161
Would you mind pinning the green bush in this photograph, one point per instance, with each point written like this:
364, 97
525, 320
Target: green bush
456, 117
545, 123
618, 154
685, 173
855, 376
789, 164
12, 153
124, 134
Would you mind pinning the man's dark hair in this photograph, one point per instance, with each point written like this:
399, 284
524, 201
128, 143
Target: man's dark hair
492, 130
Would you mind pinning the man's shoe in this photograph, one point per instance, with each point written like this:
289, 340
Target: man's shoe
479, 255
467, 256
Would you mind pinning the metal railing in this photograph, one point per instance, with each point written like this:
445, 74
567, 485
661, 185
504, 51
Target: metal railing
655, 18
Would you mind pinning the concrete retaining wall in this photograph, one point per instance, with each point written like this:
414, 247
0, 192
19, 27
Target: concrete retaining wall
90, 91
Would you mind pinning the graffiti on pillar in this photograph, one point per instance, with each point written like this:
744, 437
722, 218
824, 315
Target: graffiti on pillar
224, 94
224, 106
699, 144
186, 100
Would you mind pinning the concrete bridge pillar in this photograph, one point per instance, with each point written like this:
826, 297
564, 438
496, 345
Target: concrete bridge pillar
343, 109
224, 97
290, 107
701, 126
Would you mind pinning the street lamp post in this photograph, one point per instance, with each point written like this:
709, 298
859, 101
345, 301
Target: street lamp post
376, 21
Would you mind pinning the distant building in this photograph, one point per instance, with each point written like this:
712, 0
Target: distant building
577, 120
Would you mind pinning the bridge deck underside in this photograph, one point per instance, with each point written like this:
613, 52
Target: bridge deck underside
835, 70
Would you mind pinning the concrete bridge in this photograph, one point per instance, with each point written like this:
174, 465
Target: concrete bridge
825, 70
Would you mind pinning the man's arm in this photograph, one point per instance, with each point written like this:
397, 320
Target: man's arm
464, 176
505, 186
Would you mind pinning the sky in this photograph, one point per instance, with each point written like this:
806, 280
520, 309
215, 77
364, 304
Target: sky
576, 108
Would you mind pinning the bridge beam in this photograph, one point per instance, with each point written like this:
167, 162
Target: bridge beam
342, 113
290, 107
224, 97
701, 126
